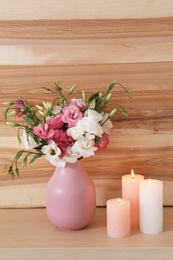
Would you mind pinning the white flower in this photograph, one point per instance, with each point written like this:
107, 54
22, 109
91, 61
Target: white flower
107, 125
71, 156
86, 127
94, 114
52, 152
84, 147
28, 141
57, 110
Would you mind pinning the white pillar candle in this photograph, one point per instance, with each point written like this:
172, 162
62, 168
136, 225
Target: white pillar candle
151, 206
130, 191
118, 218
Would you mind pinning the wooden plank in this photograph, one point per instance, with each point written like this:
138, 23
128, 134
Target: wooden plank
34, 237
86, 29
102, 51
73, 9
27, 81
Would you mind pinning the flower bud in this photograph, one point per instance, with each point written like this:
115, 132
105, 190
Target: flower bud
107, 99
112, 113
83, 96
12, 113
12, 124
71, 90
7, 103
39, 107
100, 95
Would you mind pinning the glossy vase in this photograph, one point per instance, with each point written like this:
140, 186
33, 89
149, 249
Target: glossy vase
70, 197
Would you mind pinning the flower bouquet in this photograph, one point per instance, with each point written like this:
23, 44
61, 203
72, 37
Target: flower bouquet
64, 130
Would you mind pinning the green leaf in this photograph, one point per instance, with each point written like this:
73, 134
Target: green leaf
10, 170
59, 89
111, 86
19, 154
19, 139
28, 120
24, 162
93, 97
36, 156
17, 171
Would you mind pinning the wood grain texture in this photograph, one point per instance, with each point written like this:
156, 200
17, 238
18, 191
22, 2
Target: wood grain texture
86, 29
42, 42
34, 237
75, 9
63, 52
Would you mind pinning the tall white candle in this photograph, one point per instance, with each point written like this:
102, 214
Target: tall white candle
118, 218
151, 206
130, 191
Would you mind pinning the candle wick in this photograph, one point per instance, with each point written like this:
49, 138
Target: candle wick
132, 174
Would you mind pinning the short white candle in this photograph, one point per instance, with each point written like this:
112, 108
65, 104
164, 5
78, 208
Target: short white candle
118, 218
151, 206
130, 191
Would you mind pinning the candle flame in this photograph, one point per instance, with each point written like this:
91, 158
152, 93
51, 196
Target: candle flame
149, 181
118, 201
132, 174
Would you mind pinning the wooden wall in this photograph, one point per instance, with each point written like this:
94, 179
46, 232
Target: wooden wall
90, 44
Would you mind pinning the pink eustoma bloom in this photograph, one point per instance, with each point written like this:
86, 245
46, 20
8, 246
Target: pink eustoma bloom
101, 142
41, 131
18, 106
78, 102
71, 115
61, 136
55, 122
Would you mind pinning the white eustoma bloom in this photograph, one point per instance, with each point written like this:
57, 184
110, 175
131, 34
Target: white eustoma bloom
71, 156
86, 127
107, 125
57, 110
94, 114
52, 152
28, 141
84, 147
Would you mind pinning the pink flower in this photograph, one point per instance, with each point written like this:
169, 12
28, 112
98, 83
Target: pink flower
62, 140
55, 122
77, 102
50, 134
41, 131
101, 142
71, 115
61, 136
63, 147
20, 104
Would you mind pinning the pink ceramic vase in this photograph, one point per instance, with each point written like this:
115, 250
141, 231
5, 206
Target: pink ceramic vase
70, 197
